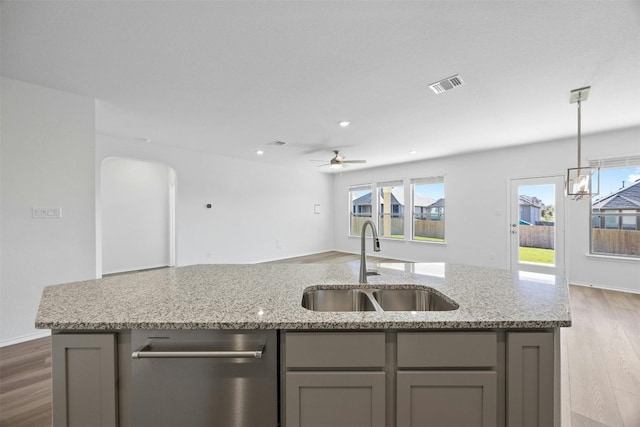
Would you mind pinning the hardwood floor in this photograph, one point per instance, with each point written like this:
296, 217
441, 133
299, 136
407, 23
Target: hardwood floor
602, 353
25, 384
600, 362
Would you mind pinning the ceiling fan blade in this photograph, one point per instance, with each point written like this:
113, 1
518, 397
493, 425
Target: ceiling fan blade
354, 161
317, 148
326, 164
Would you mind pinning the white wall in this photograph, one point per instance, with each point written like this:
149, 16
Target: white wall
477, 222
47, 158
135, 215
260, 211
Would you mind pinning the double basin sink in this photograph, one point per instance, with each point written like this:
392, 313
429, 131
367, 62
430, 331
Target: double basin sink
378, 299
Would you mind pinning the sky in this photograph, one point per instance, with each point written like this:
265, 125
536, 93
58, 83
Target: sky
610, 180
434, 191
542, 192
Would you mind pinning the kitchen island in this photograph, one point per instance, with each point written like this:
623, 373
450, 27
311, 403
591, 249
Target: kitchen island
498, 352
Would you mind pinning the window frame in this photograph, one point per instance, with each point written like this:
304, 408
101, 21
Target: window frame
433, 179
380, 214
596, 215
352, 215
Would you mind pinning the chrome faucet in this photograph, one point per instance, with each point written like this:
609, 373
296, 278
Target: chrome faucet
363, 253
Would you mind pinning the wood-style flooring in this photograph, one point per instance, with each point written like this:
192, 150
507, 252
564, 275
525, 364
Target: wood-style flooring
25, 384
600, 362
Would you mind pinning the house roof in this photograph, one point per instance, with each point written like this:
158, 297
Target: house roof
531, 201
438, 204
397, 197
366, 199
623, 198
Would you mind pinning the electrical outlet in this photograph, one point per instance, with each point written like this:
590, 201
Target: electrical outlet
46, 212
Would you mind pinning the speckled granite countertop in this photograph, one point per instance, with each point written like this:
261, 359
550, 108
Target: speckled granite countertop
268, 296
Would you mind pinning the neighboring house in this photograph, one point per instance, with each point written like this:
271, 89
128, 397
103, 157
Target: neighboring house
362, 205
436, 210
623, 200
530, 209
424, 207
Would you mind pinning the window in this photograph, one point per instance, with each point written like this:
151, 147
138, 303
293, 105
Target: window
360, 207
428, 209
615, 212
391, 209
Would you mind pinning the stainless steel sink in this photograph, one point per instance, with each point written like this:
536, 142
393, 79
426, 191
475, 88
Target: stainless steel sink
417, 298
412, 300
336, 300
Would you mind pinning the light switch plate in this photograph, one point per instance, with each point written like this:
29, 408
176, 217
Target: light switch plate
46, 212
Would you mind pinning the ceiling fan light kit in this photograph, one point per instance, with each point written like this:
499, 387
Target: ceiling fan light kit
340, 161
580, 181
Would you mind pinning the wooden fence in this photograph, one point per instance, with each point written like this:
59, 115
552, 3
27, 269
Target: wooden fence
356, 224
537, 236
623, 242
423, 227
428, 228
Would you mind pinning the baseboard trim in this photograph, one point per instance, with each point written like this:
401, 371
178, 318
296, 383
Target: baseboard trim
24, 338
607, 288
267, 260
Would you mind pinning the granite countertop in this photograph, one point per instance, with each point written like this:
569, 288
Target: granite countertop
268, 296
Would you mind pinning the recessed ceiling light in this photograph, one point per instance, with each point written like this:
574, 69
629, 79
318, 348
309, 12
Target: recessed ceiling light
344, 123
259, 152
413, 152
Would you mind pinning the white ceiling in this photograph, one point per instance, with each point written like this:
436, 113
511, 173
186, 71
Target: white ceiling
229, 77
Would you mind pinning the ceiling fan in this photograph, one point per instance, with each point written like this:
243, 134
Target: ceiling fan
339, 161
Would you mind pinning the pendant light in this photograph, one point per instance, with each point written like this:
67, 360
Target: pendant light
581, 181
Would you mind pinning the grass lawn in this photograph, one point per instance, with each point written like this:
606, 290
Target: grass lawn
424, 239
541, 256
428, 239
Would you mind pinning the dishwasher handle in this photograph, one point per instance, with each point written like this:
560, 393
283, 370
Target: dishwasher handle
144, 353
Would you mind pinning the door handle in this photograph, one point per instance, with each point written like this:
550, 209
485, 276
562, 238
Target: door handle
144, 353
514, 231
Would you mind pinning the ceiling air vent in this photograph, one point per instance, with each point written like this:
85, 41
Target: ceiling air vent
276, 143
446, 84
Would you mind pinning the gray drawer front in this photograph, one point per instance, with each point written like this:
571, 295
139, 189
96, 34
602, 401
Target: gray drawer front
447, 349
335, 350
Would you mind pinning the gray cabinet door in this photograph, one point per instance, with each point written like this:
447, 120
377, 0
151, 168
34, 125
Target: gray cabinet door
335, 399
84, 380
447, 398
530, 379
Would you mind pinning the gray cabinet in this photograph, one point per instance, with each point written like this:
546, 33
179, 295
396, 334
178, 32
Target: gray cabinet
84, 380
337, 399
447, 379
334, 379
530, 379
447, 398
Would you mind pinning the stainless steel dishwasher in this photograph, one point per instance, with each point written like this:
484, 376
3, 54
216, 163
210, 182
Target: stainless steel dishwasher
184, 378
